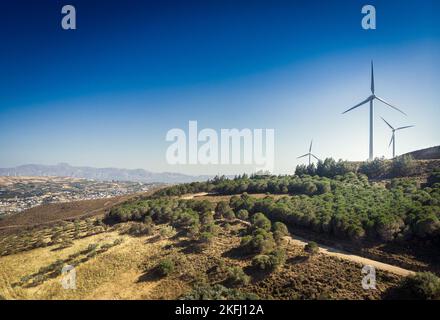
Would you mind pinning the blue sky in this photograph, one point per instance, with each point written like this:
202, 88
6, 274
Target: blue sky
107, 93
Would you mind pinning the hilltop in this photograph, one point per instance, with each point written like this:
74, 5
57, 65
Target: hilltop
425, 154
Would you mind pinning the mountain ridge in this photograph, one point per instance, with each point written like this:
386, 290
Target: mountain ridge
102, 174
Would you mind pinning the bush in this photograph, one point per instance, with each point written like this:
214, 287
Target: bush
206, 237
280, 227
434, 177
237, 277
243, 214
402, 166
311, 248
166, 231
259, 220
140, 229
221, 208
229, 215
421, 286
374, 169
271, 261
165, 267
260, 241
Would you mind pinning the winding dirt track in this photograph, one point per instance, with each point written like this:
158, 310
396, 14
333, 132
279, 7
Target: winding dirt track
298, 241
354, 258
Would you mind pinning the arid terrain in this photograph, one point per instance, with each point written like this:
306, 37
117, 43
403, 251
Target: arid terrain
260, 237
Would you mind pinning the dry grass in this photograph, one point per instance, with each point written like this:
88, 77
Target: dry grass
126, 271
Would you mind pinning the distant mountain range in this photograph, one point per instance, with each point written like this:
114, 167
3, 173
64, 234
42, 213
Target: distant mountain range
101, 174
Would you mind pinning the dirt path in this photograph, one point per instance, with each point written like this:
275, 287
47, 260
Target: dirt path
351, 257
194, 195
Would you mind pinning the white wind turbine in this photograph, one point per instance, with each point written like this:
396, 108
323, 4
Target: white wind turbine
370, 99
393, 136
310, 154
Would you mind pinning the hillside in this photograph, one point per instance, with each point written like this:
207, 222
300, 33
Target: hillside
248, 237
426, 154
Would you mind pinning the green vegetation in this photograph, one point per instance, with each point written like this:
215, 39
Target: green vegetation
421, 286
165, 267
270, 262
346, 206
237, 277
140, 229
379, 168
259, 241
243, 214
311, 248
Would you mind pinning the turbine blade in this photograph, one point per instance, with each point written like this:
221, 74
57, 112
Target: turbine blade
404, 127
390, 105
372, 77
391, 141
303, 156
315, 157
358, 105
310, 148
387, 123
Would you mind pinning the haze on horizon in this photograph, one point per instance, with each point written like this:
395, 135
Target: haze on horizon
106, 94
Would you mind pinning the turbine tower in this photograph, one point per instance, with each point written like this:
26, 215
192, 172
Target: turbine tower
371, 99
393, 136
310, 154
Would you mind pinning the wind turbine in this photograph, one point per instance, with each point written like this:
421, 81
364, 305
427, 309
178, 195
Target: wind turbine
370, 99
393, 136
310, 154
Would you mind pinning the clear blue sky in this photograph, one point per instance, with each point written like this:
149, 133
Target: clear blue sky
107, 93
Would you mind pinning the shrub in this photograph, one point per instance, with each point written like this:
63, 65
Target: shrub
148, 220
166, 231
237, 277
259, 220
221, 208
421, 286
434, 177
206, 237
140, 229
374, 169
278, 258
402, 166
281, 227
271, 261
311, 248
262, 262
229, 215
165, 267
260, 241
243, 214
117, 242
211, 228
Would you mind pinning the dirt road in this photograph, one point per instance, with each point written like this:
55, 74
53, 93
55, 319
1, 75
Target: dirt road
351, 257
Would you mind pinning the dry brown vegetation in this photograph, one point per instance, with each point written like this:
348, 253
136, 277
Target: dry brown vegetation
49, 214
125, 269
